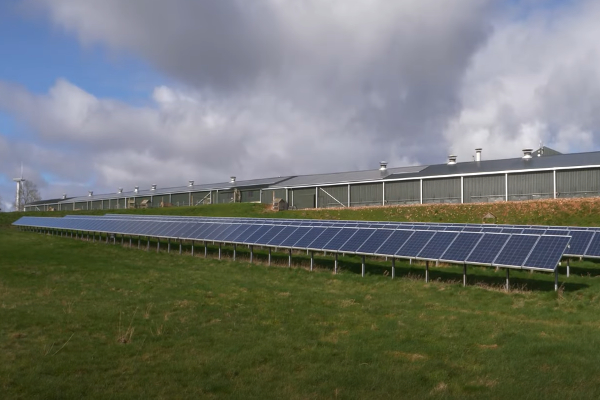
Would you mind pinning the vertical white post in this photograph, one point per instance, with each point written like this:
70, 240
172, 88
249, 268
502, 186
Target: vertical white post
393, 268
179, 246
205, 250
556, 279
421, 191
464, 274
426, 271
251, 254
269, 256
290, 258
193, 248
335, 264
505, 187
363, 266
348, 195
317, 197
462, 189
383, 194
554, 190
312, 259
568, 268
168, 245
219, 251
507, 279
234, 251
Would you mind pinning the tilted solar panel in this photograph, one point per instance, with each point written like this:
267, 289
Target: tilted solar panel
516, 250
580, 240
357, 240
309, 237
461, 247
547, 253
438, 245
298, 234
320, 242
340, 239
415, 243
487, 249
393, 242
593, 250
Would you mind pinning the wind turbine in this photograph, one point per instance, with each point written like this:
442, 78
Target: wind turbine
19, 190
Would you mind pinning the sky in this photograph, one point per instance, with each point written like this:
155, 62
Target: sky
101, 94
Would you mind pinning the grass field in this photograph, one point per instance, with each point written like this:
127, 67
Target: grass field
81, 319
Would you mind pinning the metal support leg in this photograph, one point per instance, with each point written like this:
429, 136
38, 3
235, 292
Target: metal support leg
148, 245
193, 248
290, 258
426, 271
107, 238
363, 267
205, 250
251, 254
464, 274
139, 242
312, 260
507, 279
93, 237
393, 268
180, 246
157, 245
556, 279
335, 264
568, 268
234, 251
122, 239
219, 251
130, 240
269, 257
168, 245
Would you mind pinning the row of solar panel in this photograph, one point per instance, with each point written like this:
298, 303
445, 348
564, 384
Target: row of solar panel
584, 243
494, 249
319, 222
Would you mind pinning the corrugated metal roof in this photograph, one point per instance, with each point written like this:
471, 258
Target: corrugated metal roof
511, 164
247, 184
49, 201
346, 177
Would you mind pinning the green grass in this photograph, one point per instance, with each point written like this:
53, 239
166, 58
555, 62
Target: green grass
91, 320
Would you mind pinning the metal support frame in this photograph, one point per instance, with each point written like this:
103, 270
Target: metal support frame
193, 248
335, 264
168, 245
568, 268
426, 271
219, 251
507, 279
180, 245
205, 250
505, 187
157, 245
393, 268
556, 279
148, 245
290, 258
130, 242
234, 251
554, 181
464, 274
363, 267
139, 242
269, 263
251, 254
328, 194
312, 260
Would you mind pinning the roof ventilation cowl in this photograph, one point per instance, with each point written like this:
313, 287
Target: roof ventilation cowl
478, 155
382, 165
136, 189
64, 196
190, 183
90, 193
120, 190
451, 159
154, 187
527, 154
232, 179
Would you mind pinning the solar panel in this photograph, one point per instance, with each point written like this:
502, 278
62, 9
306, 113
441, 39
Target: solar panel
270, 235
460, 249
260, 232
438, 244
415, 243
340, 239
323, 239
244, 235
284, 234
309, 237
516, 250
593, 250
298, 234
580, 241
358, 240
393, 243
487, 249
547, 253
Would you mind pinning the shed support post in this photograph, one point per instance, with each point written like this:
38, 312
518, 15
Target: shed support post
122, 239
507, 279
426, 271
393, 268
363, 267
505, 187
462, 189
290, 258
335, 264
317, 197
348, 195
554, 181
312, 260
464, 274
556, 279
383, 194
421, 191
93, 236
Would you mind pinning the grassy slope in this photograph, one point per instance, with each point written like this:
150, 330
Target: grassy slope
229, 329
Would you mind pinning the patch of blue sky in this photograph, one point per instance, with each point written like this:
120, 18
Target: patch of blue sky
35, 54
523, 9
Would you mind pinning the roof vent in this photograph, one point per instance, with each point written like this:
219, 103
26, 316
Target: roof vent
451, 159
527, 154
232, 179
90, 193
477, 154
190, 183
154, 187
64, 196
120, 190
136, 189
382, 165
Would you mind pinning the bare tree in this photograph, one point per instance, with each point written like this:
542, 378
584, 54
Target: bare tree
28, 194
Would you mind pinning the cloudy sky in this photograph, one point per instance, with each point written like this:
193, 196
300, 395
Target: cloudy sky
101, 94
